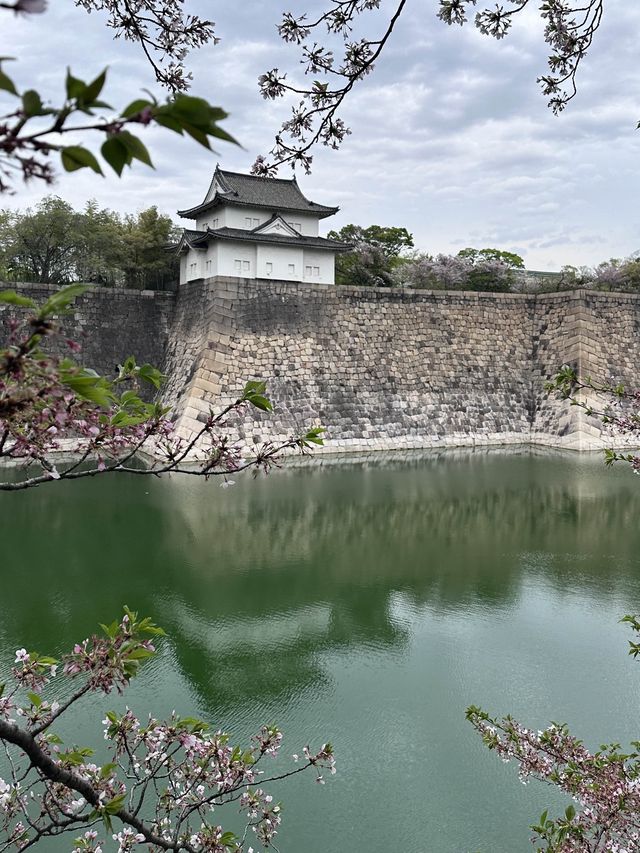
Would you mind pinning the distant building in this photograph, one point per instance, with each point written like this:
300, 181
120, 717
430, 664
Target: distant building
251, 227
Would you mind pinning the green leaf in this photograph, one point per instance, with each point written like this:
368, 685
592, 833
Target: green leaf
6, 84
13, 298
75, 157
149, 373
116, 153
139, 654
93, 89
254, 386
61, 300
314, 436
135, 147
32, 104
75, 87
260, 402
98, 391
570, 813
35, 700
169, 122
114, 805
197, 134
136, 107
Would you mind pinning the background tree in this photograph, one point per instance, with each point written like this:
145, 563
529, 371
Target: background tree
377, 252
59, 245
101, 259
44, 245
458, 272
478, 255
146, 261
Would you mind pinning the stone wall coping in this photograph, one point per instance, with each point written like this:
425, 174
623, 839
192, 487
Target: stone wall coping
368, 293
91, 288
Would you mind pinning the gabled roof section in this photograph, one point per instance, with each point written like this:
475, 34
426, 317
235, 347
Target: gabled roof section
252, 191
190, 240
276, 225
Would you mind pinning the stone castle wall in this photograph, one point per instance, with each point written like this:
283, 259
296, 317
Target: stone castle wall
379, 368
108, 323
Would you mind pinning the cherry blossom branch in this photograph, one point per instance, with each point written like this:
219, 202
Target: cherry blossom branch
603, 783
50, 404
189, 769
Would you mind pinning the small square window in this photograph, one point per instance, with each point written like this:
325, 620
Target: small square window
237, 265
256, 222
307, 270
247, 221
316, 271
269, 266
292, 268
246, 265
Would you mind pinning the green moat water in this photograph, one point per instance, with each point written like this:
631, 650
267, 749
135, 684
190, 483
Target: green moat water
367, 604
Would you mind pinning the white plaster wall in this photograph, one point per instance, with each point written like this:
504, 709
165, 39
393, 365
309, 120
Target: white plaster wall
236, 217
281, 259
216, 218
307, 225
318, 267
229, 253
211, 260
192, 265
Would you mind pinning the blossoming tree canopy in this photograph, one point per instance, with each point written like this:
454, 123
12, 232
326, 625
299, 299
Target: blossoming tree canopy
165, 780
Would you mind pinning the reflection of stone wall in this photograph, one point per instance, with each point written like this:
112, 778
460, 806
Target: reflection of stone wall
380, 368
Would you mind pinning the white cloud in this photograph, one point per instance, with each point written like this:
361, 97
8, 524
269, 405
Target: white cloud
451, 137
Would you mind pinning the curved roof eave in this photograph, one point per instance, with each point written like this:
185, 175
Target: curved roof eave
314, 209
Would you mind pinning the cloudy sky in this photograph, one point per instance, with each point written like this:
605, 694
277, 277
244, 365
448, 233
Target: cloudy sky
451, 137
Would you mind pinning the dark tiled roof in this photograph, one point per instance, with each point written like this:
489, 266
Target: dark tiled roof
198, 239
189, 239
252, 191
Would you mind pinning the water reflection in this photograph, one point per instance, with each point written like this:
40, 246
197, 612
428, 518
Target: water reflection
309, 559
366, 601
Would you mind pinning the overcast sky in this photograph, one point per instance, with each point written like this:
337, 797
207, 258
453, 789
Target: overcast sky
451, 136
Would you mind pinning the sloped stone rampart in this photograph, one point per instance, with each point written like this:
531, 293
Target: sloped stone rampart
403, 368
379, 368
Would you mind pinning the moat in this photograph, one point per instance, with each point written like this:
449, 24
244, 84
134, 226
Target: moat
365, 603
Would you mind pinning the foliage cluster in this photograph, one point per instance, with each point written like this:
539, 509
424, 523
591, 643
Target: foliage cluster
163, 781
376, 253
56, 244
381, 256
